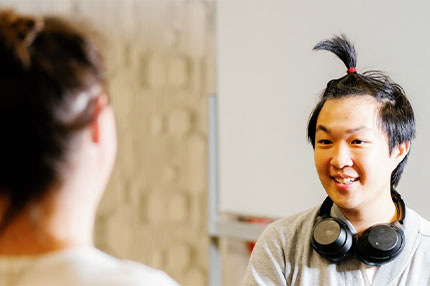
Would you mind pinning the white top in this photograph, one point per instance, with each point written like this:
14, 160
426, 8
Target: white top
367, 274
81, 266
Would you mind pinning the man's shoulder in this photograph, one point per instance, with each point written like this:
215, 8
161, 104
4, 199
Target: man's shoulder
283, 244
424, 224
422, 251
296, 224
306, 216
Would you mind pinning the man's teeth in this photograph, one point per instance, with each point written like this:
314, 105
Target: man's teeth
344, 180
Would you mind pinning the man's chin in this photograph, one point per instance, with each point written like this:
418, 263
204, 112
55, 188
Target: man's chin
344, 199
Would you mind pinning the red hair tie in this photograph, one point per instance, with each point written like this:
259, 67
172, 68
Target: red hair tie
351, 70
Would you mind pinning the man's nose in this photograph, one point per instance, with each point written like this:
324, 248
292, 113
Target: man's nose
341, 156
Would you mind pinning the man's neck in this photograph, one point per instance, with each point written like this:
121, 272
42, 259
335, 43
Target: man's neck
378, 212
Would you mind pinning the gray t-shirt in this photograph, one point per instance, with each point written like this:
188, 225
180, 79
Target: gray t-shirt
283, 255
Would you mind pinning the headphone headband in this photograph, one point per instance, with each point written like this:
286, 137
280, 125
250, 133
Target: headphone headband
325, 207
396, 197
400, 205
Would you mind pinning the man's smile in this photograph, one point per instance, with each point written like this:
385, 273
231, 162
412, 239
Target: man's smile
345, 181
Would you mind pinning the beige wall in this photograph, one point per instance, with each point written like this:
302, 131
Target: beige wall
160, 61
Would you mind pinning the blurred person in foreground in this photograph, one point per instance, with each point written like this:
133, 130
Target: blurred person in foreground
363, 234
58, 147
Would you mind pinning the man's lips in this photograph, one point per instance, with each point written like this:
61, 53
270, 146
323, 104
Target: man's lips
344, 179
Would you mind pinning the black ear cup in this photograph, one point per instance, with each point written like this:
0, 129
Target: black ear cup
380, 244
332, 239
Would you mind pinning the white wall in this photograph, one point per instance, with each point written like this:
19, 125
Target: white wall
269, 80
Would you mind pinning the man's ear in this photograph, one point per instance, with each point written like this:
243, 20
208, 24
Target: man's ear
101, 102
401, 150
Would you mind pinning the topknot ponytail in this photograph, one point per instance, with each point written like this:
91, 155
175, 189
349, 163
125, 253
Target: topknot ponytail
341, 47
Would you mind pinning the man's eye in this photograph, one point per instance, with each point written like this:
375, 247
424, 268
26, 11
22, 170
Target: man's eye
324, 142
357, 141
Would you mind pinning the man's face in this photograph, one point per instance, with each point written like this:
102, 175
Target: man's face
351, 152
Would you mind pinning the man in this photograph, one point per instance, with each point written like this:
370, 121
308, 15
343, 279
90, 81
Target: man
363, 234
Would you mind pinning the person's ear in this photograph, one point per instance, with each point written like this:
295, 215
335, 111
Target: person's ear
101, 103
401, 150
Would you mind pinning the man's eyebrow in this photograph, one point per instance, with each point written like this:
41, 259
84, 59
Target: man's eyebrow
353, 130
323, 128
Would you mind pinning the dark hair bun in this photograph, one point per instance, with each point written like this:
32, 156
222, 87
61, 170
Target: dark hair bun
19, 32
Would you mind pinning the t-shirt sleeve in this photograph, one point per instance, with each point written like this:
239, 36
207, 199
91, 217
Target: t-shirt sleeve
267, 263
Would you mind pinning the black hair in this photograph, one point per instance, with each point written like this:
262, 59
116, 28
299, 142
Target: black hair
396, 116
47, 65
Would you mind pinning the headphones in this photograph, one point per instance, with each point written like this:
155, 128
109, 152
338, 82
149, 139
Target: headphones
379, 244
